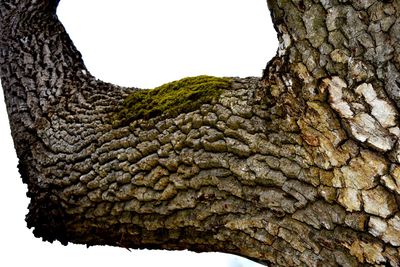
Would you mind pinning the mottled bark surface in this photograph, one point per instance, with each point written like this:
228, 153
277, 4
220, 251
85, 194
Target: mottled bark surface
299, 168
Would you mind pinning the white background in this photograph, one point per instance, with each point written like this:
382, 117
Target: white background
141, 43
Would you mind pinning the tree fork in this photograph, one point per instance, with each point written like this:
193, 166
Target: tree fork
298, 168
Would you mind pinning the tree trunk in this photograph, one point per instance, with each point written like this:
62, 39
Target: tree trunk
298, 168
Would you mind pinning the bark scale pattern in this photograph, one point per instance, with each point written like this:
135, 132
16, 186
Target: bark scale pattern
299, 168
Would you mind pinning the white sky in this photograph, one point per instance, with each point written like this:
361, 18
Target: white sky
141, 43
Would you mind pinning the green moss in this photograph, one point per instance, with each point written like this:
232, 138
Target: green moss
171, 99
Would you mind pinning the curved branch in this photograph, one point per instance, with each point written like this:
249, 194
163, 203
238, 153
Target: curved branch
297, 168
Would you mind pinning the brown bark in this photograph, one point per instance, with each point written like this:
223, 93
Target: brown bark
299, 168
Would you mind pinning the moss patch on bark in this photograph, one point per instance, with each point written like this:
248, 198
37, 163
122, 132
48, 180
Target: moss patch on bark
171, 99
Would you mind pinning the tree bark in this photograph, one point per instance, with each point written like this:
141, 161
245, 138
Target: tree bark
298, 168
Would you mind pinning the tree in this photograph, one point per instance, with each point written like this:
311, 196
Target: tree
299, 167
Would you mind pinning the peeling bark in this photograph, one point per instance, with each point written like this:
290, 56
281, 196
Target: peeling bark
298, 168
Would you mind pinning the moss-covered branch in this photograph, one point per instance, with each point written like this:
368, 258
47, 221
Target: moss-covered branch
173, 98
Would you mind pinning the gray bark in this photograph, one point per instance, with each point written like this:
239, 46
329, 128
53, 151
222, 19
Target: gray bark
297, 168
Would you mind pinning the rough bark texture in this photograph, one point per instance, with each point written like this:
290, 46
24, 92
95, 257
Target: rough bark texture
299, 168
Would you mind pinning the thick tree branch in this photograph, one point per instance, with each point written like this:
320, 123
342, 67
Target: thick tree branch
298, 168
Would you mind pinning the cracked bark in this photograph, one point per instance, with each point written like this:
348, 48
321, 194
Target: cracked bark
298, 168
